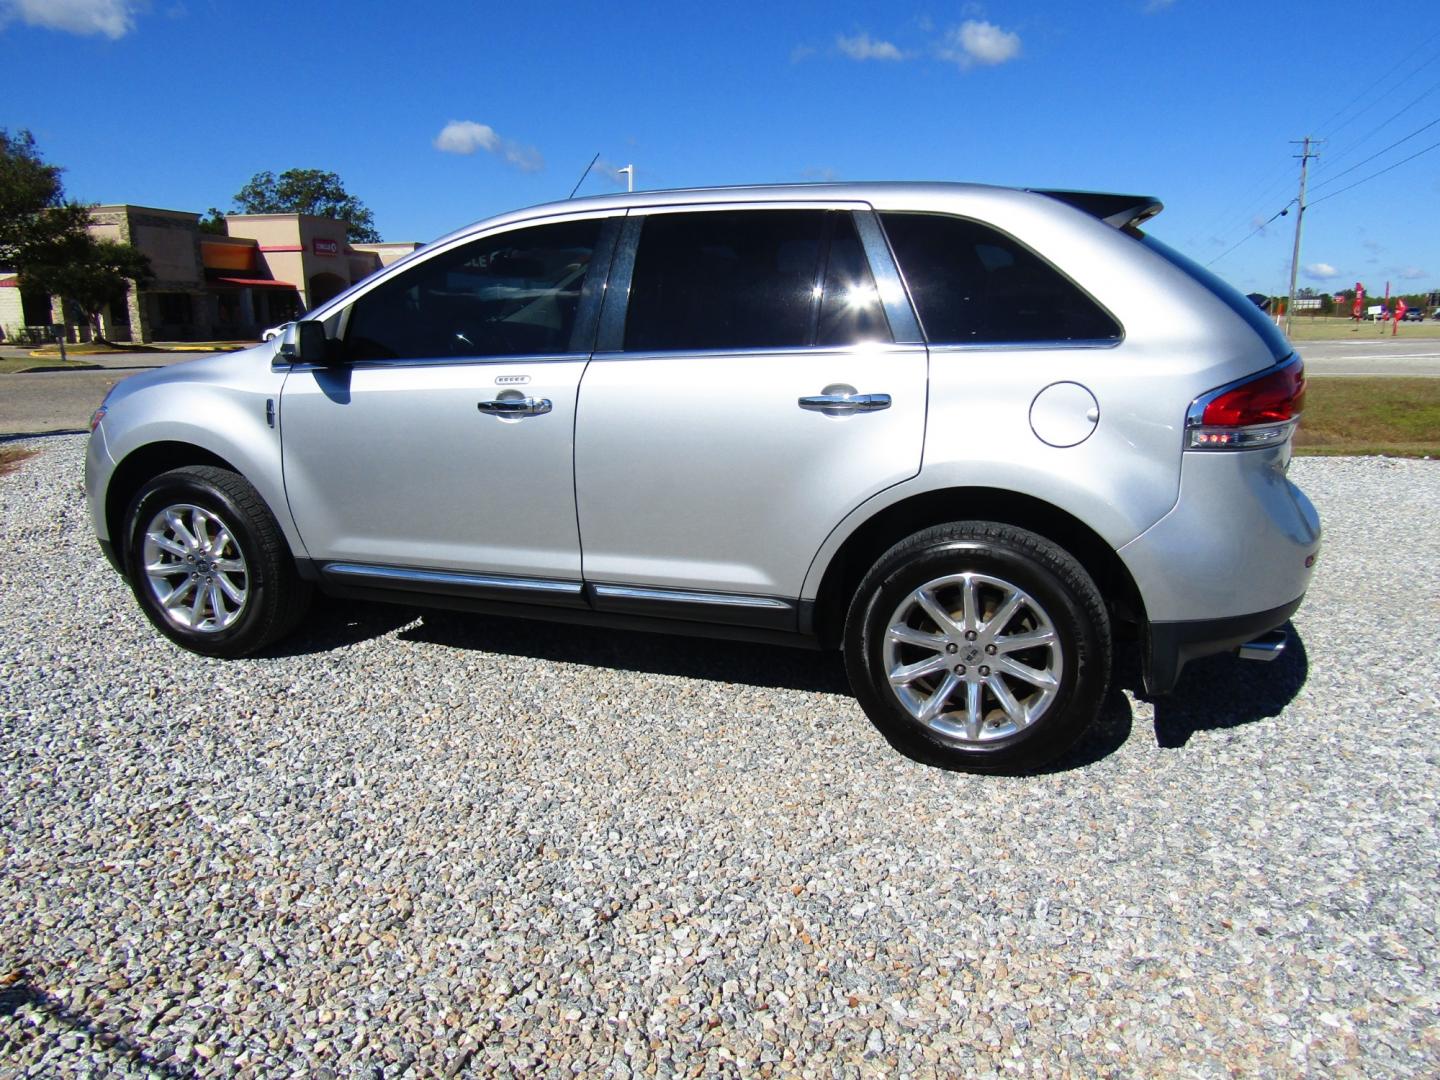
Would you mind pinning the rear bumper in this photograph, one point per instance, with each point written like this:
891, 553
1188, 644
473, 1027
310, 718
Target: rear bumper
1170, 646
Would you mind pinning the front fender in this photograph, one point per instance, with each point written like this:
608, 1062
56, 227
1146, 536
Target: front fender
227, 407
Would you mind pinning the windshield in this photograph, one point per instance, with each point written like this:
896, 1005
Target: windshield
1258, 321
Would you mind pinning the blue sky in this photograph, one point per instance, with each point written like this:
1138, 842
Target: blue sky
437, 114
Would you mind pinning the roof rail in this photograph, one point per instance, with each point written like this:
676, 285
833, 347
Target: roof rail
1121, 211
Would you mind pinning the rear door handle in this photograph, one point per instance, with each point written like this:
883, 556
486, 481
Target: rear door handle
845, 404
515, 406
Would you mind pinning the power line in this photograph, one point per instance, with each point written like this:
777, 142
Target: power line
1419, 48
1381, 126
1382, 172
1377, 154
1258, 228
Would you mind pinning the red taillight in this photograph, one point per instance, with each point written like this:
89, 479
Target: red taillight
1259, 411
1272, 399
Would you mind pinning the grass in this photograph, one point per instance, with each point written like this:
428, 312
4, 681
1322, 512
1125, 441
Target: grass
10, 458
1328, 328
1396, 417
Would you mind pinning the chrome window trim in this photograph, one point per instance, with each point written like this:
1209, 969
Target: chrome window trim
399, 574
640, 592
1027, 346
878, 348
442, 361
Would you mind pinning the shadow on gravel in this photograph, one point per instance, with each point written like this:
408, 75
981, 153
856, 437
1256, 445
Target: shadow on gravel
333, 624
1222, 692
629, 650
16, 436
17, 995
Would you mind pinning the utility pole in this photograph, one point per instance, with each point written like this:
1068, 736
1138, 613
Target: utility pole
1305, 155
629, 171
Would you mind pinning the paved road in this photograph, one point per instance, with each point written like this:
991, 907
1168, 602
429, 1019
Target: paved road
51, 401
1370, 354
63, 401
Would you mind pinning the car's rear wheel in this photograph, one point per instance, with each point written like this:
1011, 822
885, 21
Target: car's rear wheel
980, 646
209, 564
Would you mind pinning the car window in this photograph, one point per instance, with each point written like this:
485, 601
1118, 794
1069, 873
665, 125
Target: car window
514, 294
725, 280
972, 284
850, 311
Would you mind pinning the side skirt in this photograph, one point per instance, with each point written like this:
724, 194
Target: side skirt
766, 620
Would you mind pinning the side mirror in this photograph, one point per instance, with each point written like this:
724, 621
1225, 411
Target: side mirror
303, 343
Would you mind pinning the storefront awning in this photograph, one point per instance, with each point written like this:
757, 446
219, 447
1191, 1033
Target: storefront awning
253, 283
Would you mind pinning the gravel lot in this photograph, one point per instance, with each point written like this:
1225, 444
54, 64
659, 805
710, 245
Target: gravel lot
415, 845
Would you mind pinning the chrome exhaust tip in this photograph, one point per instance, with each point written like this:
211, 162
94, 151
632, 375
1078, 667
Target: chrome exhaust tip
1266, 647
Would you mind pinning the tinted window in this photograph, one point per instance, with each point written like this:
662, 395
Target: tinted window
514, 294
850, 311
972, 284
725, 280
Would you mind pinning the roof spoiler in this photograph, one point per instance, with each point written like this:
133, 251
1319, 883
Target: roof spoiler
1121, 211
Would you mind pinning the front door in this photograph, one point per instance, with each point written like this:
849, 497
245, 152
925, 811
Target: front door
441, 437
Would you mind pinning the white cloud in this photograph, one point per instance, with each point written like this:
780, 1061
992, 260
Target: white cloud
801, 52
466, 137
1320, 271
113, 18
978, 42
1412, 273
1158, 5
863, 47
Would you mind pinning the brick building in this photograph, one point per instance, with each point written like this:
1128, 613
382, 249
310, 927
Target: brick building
267, 269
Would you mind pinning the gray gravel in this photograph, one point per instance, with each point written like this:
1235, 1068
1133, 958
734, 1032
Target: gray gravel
425, 844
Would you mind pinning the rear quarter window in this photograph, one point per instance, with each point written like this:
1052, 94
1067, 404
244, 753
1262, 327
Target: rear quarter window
972, 284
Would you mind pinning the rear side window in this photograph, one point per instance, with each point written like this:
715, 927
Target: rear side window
974, 285
725, 280
515, 294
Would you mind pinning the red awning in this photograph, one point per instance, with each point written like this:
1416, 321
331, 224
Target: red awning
254, 283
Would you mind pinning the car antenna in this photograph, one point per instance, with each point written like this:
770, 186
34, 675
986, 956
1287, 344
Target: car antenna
582, 176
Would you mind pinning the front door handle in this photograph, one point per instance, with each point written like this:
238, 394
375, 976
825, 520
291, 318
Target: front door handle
516, 406
844, 404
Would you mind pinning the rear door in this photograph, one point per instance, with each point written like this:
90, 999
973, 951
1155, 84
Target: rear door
748, 396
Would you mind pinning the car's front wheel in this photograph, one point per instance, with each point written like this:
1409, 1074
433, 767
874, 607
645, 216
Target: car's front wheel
208, 563
979, 646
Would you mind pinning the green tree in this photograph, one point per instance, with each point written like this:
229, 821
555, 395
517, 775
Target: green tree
308, 191
88, 273
33, 210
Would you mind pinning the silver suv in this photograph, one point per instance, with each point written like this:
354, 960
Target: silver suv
962, 433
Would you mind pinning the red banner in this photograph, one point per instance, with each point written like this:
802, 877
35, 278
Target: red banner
1359, 309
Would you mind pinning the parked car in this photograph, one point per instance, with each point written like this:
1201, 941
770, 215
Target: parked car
1414, 314
964, 434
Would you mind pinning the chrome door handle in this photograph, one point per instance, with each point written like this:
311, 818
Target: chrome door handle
844, 404
515, 406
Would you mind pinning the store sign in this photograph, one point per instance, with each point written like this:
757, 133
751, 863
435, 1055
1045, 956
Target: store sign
321, 246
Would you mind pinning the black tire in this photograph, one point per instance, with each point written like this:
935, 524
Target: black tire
1055, 598
272, 595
